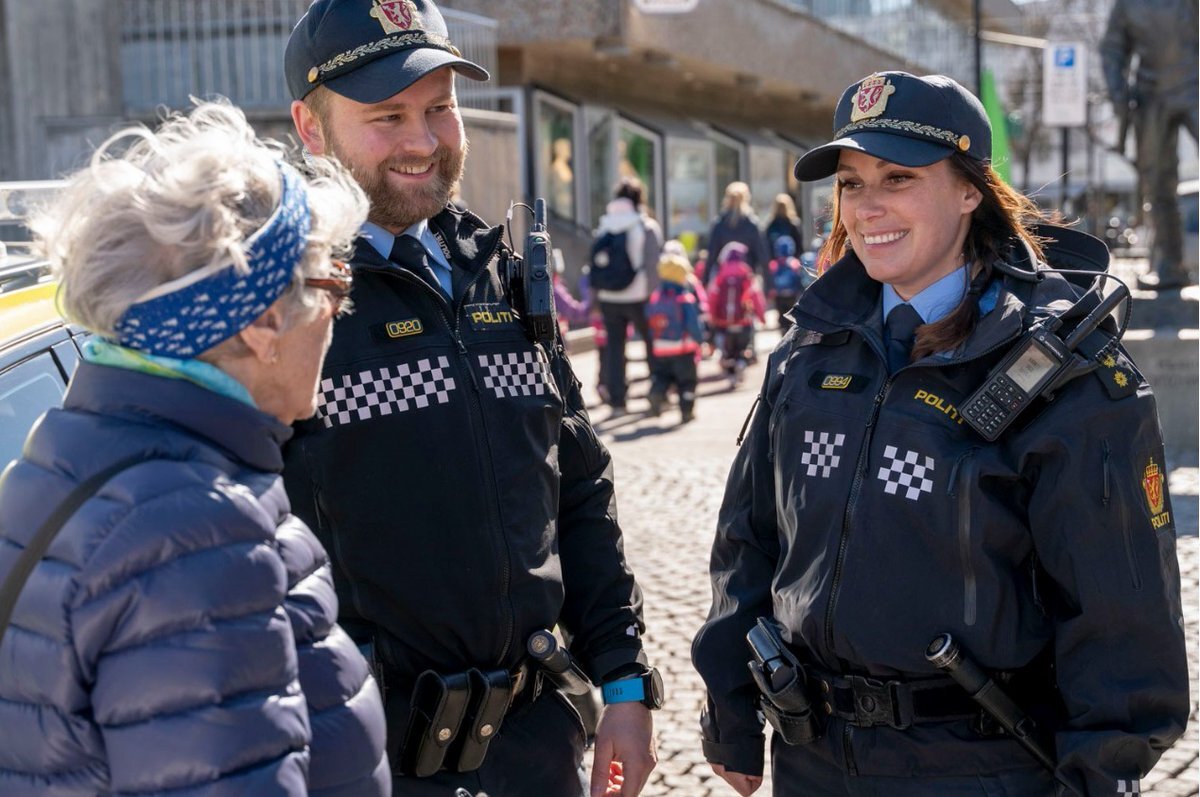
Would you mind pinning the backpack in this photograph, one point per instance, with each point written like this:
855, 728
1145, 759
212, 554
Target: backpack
729, 302
611, 269
662, 309
785, 276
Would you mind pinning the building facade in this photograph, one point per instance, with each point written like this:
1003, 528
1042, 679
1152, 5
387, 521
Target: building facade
583, 91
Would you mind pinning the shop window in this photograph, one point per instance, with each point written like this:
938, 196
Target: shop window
638, 156
603, 171
727, 163
554, 142
689, 186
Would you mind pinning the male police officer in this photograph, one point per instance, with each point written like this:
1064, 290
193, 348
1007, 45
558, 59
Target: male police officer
451, 469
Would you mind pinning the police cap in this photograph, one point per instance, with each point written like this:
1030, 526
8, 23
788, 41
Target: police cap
904, 119
369, 50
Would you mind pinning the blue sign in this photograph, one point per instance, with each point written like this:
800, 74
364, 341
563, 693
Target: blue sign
1064, 56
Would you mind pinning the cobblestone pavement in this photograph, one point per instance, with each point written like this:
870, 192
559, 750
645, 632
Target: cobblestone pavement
669, 482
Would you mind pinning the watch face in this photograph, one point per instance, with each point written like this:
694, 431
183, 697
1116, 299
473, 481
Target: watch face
655, 694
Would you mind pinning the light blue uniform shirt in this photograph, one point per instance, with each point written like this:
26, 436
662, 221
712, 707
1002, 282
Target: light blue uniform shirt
935, 302
382, 241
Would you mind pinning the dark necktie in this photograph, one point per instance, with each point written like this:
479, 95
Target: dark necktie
410, 253
901, 328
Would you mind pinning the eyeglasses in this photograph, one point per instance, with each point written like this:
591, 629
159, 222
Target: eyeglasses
338, 286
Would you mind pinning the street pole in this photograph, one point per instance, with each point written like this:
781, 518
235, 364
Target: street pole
1093, 200
1066, 169
976, 14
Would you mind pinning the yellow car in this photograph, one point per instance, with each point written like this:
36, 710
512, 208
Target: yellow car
38, 353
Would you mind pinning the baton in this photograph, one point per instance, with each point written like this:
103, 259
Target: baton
946, 654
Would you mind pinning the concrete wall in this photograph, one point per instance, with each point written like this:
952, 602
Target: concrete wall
492, 178
1170, 361
64, 92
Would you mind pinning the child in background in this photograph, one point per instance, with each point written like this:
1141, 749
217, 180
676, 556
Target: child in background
786, 279
675, 247
735, 301
599, 334
569, 310
674, 317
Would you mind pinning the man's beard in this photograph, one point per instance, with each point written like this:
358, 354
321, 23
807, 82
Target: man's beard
397, 209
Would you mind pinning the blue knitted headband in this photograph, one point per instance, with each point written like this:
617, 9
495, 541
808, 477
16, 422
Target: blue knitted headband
195, 312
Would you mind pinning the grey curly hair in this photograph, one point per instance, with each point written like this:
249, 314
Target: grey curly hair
180, 198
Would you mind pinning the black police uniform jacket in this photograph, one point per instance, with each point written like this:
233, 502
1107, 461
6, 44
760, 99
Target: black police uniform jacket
867, 517
453, 475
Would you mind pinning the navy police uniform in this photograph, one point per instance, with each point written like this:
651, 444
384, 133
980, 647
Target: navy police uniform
452, 472
865, 516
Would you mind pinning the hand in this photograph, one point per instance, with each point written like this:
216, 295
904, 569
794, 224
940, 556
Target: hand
744, 785
624, 756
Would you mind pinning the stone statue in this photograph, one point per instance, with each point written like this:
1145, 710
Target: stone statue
1149, 57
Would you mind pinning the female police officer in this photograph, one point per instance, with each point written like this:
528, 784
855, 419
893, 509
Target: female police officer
866, 516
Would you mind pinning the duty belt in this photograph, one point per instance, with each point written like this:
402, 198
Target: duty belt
866, 702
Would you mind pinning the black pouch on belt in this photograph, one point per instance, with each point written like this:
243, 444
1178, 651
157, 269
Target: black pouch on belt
491, 693
438, 706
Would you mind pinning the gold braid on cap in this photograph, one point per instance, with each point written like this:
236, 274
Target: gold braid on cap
904, 126
398, 41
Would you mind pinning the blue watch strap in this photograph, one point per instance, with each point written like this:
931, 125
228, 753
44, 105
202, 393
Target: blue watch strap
626, 690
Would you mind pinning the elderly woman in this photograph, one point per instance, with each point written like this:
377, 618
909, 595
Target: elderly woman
864, 516
178, 635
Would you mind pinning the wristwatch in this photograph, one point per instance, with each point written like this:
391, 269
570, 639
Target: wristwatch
646, 689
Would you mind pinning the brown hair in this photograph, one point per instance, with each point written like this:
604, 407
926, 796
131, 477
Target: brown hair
1003, 214
630, 188
317, 101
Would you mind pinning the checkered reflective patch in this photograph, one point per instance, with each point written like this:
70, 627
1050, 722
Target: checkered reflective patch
821, 456
373, 394
1128, 788
907, 472
515, 374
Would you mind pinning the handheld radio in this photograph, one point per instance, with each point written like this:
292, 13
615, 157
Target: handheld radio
1029, 368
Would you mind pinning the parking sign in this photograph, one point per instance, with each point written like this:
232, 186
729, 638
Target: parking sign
1064, 84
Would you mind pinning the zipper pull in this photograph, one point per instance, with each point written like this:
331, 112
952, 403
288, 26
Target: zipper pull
466, 358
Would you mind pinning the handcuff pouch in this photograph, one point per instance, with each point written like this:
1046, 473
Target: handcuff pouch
439, 704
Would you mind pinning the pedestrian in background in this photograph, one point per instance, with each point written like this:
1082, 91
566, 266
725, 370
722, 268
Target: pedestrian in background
674, 314
179, 635
735, 303
786, 279
1048, 554
626, 235
435, 390
738, 224
569, 310
784, 221
694, 283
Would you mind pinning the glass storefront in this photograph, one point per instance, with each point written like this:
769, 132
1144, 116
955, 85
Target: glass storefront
767, 168
601, 161
727, 162
690, 180
555, 149
637, 156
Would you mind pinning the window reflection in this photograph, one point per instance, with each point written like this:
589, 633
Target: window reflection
690, 180
635, 158
556, 157
600, 152
728, 161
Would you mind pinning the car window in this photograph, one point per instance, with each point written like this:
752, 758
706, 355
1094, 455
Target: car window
26, 391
